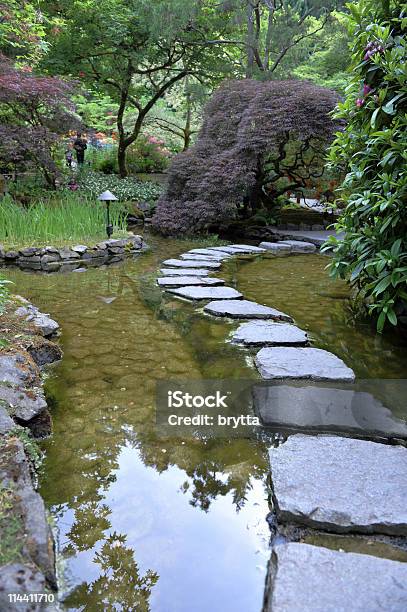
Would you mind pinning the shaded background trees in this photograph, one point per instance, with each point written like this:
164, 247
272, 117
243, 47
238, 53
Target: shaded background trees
259, 140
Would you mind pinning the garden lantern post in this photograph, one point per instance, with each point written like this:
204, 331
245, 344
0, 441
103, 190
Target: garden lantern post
108, 196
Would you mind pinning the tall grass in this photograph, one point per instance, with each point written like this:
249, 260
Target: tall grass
65, 219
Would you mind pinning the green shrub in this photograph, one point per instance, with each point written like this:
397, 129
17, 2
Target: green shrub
372, 150
128, 189
147, 154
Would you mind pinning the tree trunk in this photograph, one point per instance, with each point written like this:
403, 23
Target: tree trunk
250, 41
187, 129
121, 160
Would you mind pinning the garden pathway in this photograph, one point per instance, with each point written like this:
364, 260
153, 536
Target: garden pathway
327, 482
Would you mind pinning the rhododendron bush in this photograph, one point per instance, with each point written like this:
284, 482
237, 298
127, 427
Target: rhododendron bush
372, 149
259, 141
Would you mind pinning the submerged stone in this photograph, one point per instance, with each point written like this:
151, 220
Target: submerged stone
207, 293
325, 409
181, 272
301, 363
341, 484
244, 309
305, 578
257, 333
181, 281
184, 263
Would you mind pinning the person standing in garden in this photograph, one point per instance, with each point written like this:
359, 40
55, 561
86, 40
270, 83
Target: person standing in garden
80, 147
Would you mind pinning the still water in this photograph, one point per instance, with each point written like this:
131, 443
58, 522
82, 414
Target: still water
164, 524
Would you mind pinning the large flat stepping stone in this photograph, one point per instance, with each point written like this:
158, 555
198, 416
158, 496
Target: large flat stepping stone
307, 578
325, 409
207, 293
276, 247
236, 249
244, 309
341, 484
182, 281
267, 333
299, 363
210, 253
196, 257
297, 246
184, 263
183, 272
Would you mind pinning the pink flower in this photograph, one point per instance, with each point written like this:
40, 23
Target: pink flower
366, 89
360, 102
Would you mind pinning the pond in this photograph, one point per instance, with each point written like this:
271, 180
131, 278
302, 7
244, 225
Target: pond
145, 522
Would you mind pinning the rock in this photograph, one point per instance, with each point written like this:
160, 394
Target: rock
180, 272
22, 580
183, 263
182, 281
136, 240
211, 253
29, 251
29, 506
306, 578
28, 408
10, 255
298, 246
244, 309
325, 409
45, 325
30, 260
51, 249
44, 352
207, 293
196, 257
47, 259
301, 363
79, 248
94, 253
276, 247
341, 484
17, 369
6, 422
1, 251
116, 250
257, 333
68, 254
235, 249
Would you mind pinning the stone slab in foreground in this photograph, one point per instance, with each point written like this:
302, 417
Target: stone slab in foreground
207, 293
185, 263
182, 281
301, 363
210, 253
276, 247
244, 309
184, 272
305, 578
198, 257
267, 333
325, 410
341, 484
297, 246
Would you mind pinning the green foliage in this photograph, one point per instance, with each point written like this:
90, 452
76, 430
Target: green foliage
4, 294
97, 111
373, 151
128, 189
11, 529
147, 154
65, 218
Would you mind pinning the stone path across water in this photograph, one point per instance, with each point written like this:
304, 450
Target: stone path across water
332, 483
307, 578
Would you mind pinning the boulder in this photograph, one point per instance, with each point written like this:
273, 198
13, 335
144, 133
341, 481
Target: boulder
301, 363
244, 309
6, 422
44, 352
68, 254
268, 333
17, 369
10, 255
306, 578
79, 248
29, 251
341, 484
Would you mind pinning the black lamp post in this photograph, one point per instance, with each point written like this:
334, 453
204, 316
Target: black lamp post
108, 196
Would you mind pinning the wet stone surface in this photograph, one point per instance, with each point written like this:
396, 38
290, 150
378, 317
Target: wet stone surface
306, 578
184, 263
244, 309
267, 333
326, 410
181, 272
181, 281
206, 293
340, 484
298, 246
210, 253
301, 363
276, 247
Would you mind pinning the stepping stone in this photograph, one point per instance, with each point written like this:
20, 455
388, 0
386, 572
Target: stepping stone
236, 249
211, 254
300, 247
308, 363
196, 257
340, 484
257, 333
276, 247
244, 309
181, 272
182, 281
207, 293
306, 578
325, 409
183, 263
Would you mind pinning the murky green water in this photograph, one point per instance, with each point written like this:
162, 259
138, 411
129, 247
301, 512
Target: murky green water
167, 524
